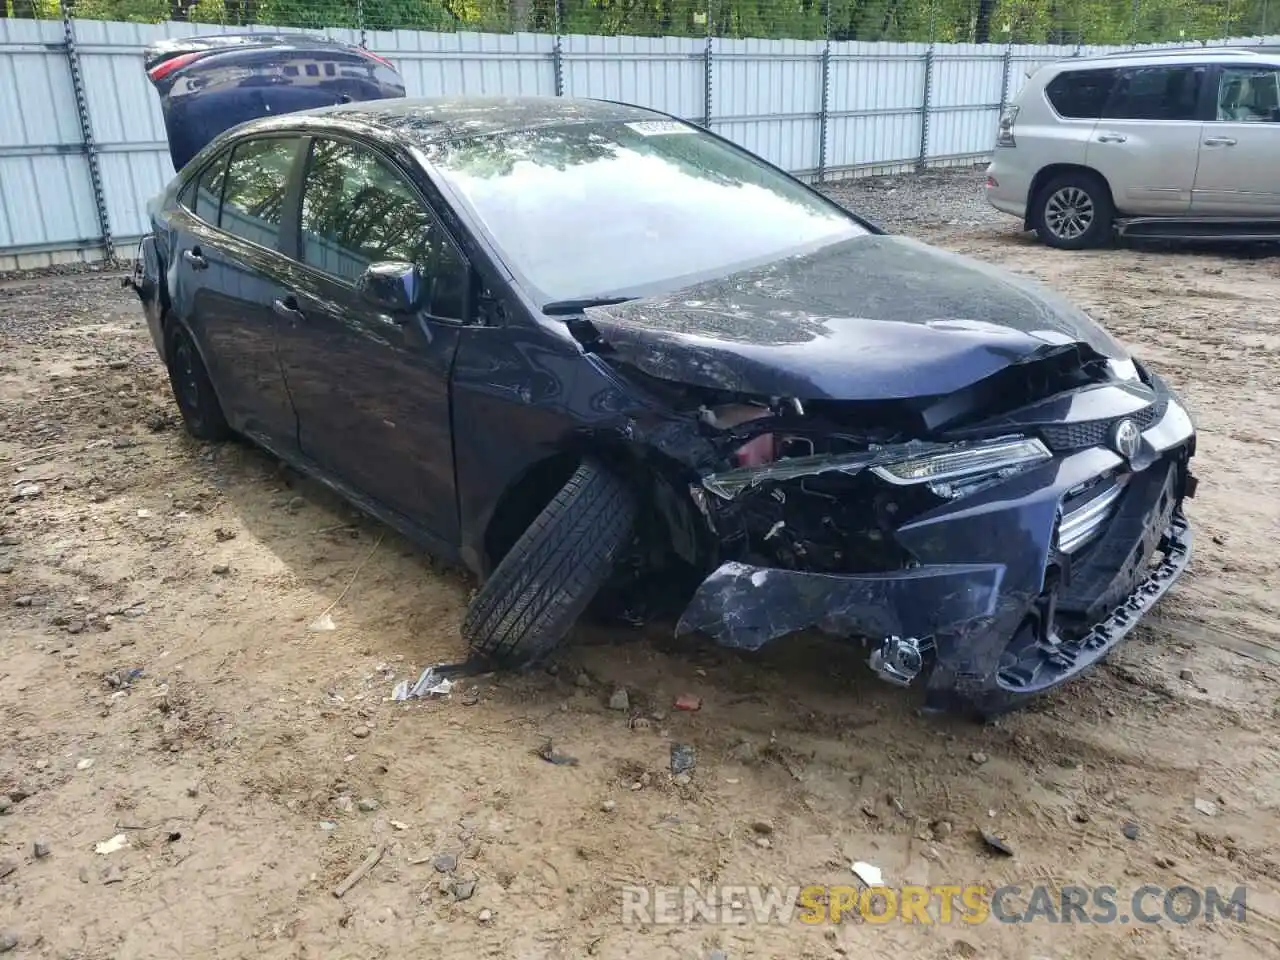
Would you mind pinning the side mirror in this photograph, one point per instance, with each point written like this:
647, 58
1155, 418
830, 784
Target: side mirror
393, 287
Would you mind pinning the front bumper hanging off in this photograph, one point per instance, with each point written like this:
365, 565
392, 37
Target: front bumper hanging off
1022, 617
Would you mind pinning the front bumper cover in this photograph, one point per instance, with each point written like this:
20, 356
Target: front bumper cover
1018, 617
745, 606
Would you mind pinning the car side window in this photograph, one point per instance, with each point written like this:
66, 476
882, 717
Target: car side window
256, 182
1081, 94
358, 211
208, 189
1249, 95
1156, 93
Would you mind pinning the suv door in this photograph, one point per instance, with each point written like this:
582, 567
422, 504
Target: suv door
227, 271
1239, 173
1148, 140
371, 390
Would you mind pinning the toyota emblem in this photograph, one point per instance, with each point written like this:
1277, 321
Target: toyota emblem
1125, 438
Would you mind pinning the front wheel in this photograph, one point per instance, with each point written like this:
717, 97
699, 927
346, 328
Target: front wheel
550, 576
1073, 211
198, 404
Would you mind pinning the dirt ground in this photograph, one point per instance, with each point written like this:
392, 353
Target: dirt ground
159, 678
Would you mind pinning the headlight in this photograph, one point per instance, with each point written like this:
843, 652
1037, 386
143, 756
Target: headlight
950, 470
963, 463
1124, 370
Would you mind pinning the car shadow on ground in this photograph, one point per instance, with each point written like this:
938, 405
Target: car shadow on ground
1235, 250
375, 583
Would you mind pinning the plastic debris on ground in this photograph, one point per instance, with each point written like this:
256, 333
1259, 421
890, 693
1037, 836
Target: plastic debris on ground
868, 873
996, 844
106, 847
683, 758
429, 684
549, 753
322, 624
119, 679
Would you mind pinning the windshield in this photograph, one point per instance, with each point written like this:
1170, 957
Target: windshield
593, 210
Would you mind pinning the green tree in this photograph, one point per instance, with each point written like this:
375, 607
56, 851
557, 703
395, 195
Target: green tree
975, 21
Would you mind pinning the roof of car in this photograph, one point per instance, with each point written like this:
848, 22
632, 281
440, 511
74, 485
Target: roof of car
225, 42
431, 119
1192, 53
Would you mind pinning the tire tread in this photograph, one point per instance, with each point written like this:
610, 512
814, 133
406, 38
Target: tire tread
541, 587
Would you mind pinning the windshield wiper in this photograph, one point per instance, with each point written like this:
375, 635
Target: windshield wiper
560, 307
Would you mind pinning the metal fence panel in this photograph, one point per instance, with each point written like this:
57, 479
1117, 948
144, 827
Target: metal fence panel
767, 95
125, 115
967, 84
885, 106
46, 202
875, 107
664, 73
467, 64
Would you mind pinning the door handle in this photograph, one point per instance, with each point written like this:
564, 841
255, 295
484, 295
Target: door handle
287, 307
1219, 142
1112, 138
195, 258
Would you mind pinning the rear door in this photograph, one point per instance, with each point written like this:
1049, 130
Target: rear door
371, 390
227, 271
1148, 141
1239, 170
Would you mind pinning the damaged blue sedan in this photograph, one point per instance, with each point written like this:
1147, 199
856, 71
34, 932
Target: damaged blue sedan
594, 353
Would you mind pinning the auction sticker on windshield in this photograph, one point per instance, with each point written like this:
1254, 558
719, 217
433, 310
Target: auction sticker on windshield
657, 128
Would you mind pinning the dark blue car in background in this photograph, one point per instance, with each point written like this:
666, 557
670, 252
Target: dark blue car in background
596, 354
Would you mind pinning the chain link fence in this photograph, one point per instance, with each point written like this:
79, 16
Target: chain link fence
822, 88
1115, 22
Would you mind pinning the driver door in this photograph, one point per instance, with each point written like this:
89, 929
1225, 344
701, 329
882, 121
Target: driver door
372, 390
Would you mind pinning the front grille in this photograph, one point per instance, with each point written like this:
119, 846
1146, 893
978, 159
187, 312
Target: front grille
1083, 521
1095, 433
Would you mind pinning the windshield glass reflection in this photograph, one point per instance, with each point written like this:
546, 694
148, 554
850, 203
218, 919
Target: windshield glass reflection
599, 209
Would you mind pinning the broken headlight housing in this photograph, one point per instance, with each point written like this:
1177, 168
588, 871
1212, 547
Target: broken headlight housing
949, 470
953, 472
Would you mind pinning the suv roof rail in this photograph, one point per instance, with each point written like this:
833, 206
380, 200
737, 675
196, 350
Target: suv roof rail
1241, 51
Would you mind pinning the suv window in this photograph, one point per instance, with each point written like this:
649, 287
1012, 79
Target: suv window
1249, 94
357, 211
257, 179
1081, 94
1156, 93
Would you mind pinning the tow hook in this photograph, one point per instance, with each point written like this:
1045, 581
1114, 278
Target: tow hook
899, 659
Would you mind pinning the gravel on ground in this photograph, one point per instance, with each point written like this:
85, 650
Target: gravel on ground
201, 766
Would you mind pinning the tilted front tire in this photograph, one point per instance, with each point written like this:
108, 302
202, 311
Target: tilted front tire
546, 581
198, 404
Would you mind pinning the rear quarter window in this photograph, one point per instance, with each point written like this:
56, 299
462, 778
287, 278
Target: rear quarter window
208, 190
1156, 93
1081, 94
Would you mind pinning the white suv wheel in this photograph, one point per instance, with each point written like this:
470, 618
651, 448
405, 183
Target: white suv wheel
1069, 213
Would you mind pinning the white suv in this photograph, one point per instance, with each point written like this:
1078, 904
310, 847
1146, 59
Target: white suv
1175, 144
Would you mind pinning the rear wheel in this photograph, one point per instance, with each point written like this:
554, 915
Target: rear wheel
546, 581
198, 404
1073, 211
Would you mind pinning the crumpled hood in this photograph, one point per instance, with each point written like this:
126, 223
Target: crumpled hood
872, 318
